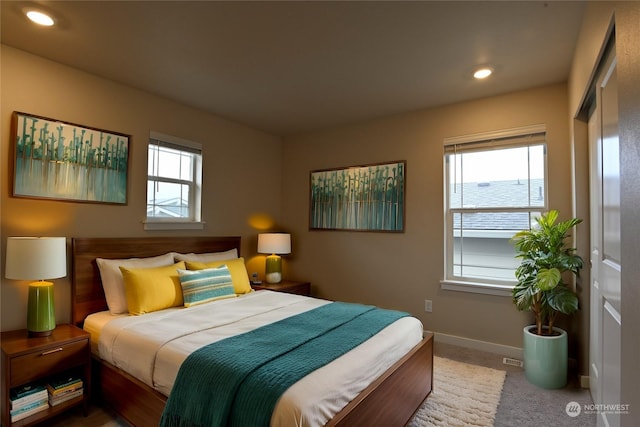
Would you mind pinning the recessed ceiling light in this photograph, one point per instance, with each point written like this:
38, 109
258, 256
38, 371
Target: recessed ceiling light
482, 73
39, 17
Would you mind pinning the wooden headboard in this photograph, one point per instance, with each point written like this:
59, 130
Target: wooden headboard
87, 295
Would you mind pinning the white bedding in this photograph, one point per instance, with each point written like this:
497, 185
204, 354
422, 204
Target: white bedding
153, 346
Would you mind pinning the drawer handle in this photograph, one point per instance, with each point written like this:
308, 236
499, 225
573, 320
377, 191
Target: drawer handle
55, 350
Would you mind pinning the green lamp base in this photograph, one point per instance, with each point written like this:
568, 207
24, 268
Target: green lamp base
41, 317
273, 269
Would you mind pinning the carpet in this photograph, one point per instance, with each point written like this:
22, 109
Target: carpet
463, 395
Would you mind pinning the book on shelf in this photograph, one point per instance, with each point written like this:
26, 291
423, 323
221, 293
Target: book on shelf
28, 407
26, 411
56, 400
22, 396
64, 384
63, 381
68, 389
25, 390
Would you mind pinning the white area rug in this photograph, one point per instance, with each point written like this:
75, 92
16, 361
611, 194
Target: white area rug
463, 395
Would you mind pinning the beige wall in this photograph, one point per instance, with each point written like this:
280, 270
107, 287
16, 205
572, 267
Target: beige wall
402, 270
239, 163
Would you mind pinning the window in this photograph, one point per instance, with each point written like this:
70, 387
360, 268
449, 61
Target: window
174, 182
495, 185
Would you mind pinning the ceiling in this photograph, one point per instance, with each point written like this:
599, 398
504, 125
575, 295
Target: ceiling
297, 66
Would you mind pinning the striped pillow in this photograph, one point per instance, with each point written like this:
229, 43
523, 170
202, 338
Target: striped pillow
200, 286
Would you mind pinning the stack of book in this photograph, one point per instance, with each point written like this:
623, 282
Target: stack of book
63, 389
27, 400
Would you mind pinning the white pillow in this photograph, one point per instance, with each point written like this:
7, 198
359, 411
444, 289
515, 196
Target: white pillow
113, 282
208, 257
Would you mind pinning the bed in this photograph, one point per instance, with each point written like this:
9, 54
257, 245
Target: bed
390, 399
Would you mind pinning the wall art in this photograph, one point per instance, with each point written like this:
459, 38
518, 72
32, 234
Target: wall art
359, 198
64, 161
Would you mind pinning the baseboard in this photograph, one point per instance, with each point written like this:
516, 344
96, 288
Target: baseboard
584, 381
504, 350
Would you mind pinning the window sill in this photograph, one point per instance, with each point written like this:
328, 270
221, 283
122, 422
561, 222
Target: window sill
167, 225
476, 288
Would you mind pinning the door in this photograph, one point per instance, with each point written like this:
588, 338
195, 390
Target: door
605, 311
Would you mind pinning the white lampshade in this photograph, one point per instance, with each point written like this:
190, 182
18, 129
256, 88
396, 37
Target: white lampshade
36, 258
274, 243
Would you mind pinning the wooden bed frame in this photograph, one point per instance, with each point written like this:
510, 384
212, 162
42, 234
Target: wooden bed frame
391, 400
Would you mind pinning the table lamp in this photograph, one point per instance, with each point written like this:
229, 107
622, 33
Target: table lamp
274, 244
39, 259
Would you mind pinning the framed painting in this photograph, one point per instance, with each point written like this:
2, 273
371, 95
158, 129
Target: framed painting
359, 198
64, 161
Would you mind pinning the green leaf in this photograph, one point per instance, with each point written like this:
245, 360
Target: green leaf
563, 300
548, 278
547, 220
523, 297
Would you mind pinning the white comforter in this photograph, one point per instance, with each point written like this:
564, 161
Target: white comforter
153, 346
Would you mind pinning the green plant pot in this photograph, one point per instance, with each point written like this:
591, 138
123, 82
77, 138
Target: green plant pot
545, 358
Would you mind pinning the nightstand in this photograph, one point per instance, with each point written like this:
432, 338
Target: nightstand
26, 360
288, 286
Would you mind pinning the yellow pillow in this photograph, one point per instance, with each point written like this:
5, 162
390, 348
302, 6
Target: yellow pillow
152, 289
236, 266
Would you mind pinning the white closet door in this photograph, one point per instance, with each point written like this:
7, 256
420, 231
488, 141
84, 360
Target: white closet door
606, 320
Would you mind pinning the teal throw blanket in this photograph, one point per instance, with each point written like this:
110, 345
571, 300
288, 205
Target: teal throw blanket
238, 381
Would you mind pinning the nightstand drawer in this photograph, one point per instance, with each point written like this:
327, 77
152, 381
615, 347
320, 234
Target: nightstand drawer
41, 363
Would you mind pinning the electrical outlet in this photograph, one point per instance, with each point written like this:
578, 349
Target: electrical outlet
428, 305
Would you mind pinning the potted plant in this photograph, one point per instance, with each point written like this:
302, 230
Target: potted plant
541, 289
